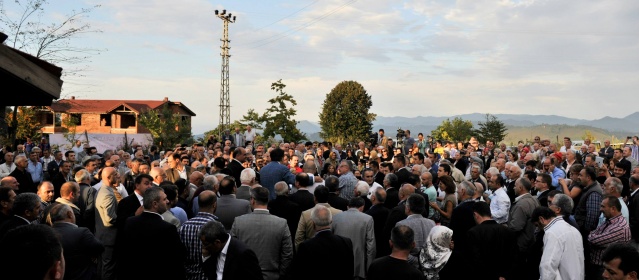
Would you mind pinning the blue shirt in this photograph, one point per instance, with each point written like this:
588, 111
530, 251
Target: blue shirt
35, 169
556, 174
273, 173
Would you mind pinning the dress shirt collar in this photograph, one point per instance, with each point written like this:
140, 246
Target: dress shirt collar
634, 192
139, 197
226, 246
67, 223
552, 222
257, 210
23, 219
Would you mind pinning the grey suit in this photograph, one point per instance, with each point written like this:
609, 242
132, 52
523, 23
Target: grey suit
359, 228
229, 207
243, 192
272, 243
105, 229
421, 227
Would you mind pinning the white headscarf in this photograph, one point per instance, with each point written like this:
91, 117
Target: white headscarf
435, 254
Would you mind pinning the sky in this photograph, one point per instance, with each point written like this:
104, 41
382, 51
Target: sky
577, 59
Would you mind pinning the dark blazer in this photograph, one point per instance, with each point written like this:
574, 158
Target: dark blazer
86, 202
543, 198
379, 178
304, 199
510, 190
491, 243
324, 246
53, 168
402, 175
25, 181
236, 169
10, 224
240, 263
126, 208
158, 242
337, 202
284, 208
607, 153
58, 180
379, 214
229, 207
633, 210
80, 247
392, 198
395, 215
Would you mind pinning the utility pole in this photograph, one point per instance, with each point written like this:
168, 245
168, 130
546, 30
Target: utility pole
225, 100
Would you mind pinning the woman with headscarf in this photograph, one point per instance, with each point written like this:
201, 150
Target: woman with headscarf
437, 251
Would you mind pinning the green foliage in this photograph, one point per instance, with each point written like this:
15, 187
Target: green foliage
251, 118
27, 124
278, 119
345, 117
456, 130
491, 129
167, 128
70, 123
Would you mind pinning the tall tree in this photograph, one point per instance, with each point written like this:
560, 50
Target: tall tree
27, 124
345, 117
279, 118
456, 130
492, 129
167, 128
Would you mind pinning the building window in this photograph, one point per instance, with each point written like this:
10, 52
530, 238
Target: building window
127, 121
58, 119
76, 119
49, 119
105, 119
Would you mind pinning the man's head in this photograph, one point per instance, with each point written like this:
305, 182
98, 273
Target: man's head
27, 205
70, 191
481, 212
143, 183
11, 182
345, 166
613, 186
427, 179
378, 197
610, 207
45, 191
227, 185
515, 172
627, 152
213, 237
65, 168
620, 261
542, 216
158, 175
110, 176
7, 197
239, 154
587, 176
618, 154
466, 190
405, 191
21, 162
155, 200
402, 238
321, 217
39, 244
522, 186
543, 182
369, 176
495, 182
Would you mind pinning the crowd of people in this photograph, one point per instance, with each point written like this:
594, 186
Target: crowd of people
377, 209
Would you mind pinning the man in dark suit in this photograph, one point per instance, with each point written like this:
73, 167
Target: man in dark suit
397, 214
379, 214
235, 167
324, 246
149, 234
132, 205
240, 261
302, 197
247, 178
25, 182
633, 207
229, 207
391, 184
26, 208
461, 222
606, 151
62, 176
79, 244
332, 183
284, 208
491, 245
54, 166
379, 176
272, 243
542, 184
402, 172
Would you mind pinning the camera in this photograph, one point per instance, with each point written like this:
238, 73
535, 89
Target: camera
400, 133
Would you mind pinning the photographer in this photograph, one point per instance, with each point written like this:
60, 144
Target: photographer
634, 147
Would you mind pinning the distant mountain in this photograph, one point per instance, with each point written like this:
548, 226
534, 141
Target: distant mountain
519, 125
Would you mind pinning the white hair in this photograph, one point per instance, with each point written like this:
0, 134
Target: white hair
247, 175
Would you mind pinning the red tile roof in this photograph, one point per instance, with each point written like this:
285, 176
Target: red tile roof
99, 106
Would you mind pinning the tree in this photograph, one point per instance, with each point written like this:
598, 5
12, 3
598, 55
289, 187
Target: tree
167, 128
345, 117
492, 129
27, 124
457, 130
252, 118
278, 119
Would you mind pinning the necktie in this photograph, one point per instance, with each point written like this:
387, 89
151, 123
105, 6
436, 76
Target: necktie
117, 194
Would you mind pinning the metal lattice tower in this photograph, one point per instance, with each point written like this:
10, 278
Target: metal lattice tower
225, 99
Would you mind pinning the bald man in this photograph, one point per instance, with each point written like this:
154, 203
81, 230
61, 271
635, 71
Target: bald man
106, 205
11, 182
158, 174
398, 213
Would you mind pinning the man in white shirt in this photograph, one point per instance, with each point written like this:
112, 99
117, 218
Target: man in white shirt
563, 255
499, 200
7, 167
249, 134
567, 145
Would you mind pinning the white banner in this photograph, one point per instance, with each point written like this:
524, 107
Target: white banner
102, 141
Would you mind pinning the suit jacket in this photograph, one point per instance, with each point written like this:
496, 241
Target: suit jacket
173, 174
379, 214
241, 263
272, 243
358, 227
379, 178
324, 246
392, 198
126, 208
229, 207
304, 199
53, 168
337, 202
236, 169
10, 224
86, 202
542, 197
460, 222
284, 208
25, 181
160, 243
403, 174
306, 227
510, 191
243, 192
395, 215
633, 209
490, 244
607, 153
106, 216
58, 180
80, 247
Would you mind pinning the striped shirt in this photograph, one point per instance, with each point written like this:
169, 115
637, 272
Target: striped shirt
614, 230
189, 234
